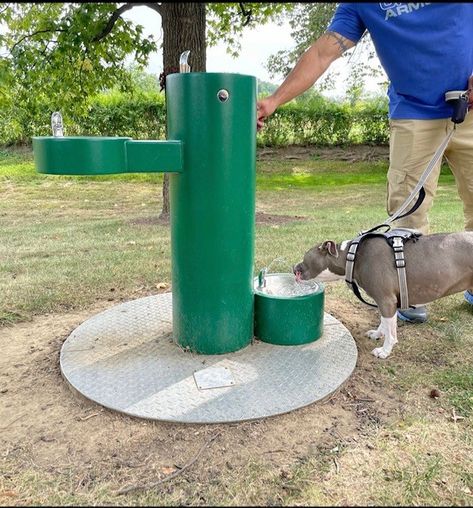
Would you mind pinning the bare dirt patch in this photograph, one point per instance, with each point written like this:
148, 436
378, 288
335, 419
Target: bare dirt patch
47, 428
353, 153
269, 218
260, 218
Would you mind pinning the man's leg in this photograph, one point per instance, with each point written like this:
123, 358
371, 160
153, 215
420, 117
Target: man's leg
459, 155
412, 146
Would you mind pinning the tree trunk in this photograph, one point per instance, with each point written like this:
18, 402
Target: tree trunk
183, 29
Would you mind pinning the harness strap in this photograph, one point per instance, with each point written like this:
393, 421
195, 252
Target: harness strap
354, 287
397, 243
349, 267
350, 262
398, 247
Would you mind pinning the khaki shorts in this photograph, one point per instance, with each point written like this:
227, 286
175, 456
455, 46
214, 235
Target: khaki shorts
412, 145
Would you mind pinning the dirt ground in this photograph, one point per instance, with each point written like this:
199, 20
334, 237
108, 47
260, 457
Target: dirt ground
353, 153
47, 427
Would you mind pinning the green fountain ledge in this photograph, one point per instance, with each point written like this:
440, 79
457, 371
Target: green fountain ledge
97, 155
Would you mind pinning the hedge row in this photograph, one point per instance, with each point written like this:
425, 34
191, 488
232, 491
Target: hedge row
327, 124
142, 116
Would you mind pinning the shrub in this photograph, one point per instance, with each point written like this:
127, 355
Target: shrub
142, 115
326, 123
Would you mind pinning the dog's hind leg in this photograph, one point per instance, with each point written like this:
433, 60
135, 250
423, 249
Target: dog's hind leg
387, 329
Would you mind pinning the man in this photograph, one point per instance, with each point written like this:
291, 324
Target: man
426, 50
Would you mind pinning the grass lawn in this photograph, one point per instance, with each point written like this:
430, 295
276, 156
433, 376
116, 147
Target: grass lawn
68, 241
72, 244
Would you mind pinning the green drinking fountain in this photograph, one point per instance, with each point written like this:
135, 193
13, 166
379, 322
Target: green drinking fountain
191, 355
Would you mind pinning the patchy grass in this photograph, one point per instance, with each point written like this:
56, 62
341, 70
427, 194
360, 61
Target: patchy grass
73, 246
457, 382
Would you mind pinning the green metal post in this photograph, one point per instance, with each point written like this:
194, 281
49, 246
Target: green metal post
213, 209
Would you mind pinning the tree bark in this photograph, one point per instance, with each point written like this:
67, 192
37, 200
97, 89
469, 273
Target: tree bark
183, 29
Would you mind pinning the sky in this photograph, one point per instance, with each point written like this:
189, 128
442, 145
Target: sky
257, 44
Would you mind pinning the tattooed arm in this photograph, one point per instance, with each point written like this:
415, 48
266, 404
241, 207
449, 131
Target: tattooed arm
312, 64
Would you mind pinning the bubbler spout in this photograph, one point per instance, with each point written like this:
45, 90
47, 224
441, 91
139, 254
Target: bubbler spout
262, 278
57, 125
183, 65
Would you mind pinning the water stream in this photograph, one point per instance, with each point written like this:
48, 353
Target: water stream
283, 282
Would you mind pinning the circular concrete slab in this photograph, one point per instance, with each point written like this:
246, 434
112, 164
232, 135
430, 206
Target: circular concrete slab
125, 359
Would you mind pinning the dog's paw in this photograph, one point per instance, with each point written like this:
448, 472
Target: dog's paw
374, 334
379, 352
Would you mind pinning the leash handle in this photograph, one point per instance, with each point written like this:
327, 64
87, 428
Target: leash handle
460, 109
458, 99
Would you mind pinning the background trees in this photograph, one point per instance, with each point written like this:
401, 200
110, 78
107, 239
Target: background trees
58, 55
62, 53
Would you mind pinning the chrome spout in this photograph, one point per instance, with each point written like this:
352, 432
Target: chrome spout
183, 65
57, 125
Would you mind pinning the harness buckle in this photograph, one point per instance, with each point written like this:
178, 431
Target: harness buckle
401, 263
398, 244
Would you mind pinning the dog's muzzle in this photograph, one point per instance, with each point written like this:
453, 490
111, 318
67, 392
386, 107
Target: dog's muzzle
298, 270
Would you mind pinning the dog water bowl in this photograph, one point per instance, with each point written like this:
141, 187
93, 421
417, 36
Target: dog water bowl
288, 312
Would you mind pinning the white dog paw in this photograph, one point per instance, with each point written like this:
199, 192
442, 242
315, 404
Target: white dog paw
379, 352
374, 334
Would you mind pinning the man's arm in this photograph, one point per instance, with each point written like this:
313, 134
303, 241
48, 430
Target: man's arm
312, 64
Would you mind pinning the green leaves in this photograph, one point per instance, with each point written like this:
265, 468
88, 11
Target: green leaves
322, 122
308, 22
56, 58
226, 21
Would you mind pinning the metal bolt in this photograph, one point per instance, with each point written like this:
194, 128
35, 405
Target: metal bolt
223, 95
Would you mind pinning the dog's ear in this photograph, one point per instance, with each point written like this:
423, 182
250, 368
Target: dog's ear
331, 247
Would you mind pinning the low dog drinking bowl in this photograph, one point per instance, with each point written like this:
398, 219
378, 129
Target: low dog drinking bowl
288, 312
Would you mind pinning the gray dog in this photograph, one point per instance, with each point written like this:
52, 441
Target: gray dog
436, 266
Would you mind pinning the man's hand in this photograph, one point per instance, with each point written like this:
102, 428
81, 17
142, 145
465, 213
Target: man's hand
264, 108
310, 66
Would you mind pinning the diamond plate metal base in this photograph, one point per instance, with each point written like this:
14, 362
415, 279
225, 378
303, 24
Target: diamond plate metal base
125, 359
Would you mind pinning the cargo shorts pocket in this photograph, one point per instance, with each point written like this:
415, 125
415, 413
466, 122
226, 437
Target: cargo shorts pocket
396, 189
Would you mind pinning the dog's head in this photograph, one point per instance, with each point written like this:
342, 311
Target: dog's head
316, 260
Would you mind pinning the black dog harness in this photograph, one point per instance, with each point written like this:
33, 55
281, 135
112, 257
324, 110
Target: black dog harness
396, 239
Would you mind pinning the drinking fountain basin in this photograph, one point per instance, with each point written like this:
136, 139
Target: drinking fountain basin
288, 312
101, 155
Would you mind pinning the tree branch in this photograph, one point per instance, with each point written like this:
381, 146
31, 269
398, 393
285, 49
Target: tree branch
245, 13
27, 36
155, 484
116, 14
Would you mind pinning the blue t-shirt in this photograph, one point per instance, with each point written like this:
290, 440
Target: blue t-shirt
426, 50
